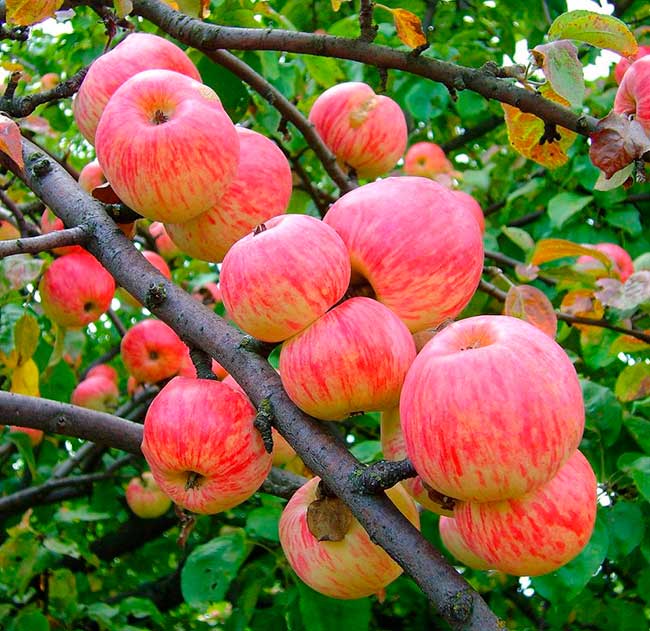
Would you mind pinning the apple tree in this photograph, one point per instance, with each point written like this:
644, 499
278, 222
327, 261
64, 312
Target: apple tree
195, 194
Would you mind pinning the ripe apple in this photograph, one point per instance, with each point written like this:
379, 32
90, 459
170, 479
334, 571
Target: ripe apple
165, 246
50, 80
365, 131
75, 290
625, 62
491, 409
426, 159
353, 358
138, 52
35, 435
159, 263
188, 369
96, 393
208, 294
167, 146
622, 261
412, 247
260, 190
283, 276
145, 498
351, 568
633, 95
103, 370
91, 176
133, 386
151, 351
539, 532
454, 542
202, 446
8, 230
50, 223
473, 206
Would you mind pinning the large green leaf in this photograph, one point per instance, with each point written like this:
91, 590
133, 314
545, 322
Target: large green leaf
320, 613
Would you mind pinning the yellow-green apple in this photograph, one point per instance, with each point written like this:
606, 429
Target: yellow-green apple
91, 176
153, 258
145, 498
491, 409
51, 223
352, 359
35, 435
633, 95
625, 62
353, 567
103, 370
151, 351
96, 393
165, 246
139, 138
539, 532
473, 206
394, 448
455, 544
283, 276
138, 52
260, 190
365, 131
412, 247
202, 446
8, 230
75, 290
50, 80
621, 260
427, 159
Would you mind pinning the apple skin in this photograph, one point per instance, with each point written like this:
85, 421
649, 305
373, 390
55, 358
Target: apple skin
208, 294
421, 252
455, 544
50, 80
623, 263
537, 533
365, 131
633, 95
151, 351
96, 393
473, 206
103, 370
352, 568
277, 281
394, 448
625, 62
352, 359
426, 159
8, 230
145, 498
491, 409
261, 189
91, 176
148, 118
75, 290
35, 435
138, 52
206, 427
50, 223
165, 246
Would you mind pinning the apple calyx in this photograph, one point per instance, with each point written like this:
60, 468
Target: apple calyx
259, 229
159, 117
444, 501
328, 517
193, 480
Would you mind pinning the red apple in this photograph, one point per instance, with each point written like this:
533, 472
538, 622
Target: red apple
354, 567
133, 386
147, 122
352, 359
50, 80
537, 533
35, 435
412, 246
625, 62
426, 159
103, 370
91, 176
165, 246
622, 261
202, 446
633, 95
145, 498
50, 223
365, 131
159, 263
8, 230
473, 206
75, 290
138, 52
96, 393
260, 190
151, 351
491, 409
283, 276
454, 542
208, 294
188, 369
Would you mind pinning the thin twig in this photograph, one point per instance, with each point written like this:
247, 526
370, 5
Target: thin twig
26, 229
33, 245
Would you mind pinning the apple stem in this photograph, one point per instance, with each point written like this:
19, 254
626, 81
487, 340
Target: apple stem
382, 475
264, 423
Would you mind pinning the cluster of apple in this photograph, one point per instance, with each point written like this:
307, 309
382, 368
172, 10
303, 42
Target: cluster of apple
98, 391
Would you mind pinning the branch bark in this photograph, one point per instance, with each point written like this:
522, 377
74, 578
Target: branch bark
34, 245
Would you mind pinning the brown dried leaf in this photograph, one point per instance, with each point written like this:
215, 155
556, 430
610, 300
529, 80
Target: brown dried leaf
106, 194
27, 12
329, 519
529, 303
10, 140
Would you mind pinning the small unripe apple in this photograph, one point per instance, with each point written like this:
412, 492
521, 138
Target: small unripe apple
103, 370
35, 435
50, 80
145, 498
456, 545
96, 393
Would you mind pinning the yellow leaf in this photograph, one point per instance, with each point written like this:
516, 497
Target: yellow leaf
336, 4
123, 7
10, 140
26, 334
408, 25
526, 130
11, 66
25, 379
171, 3
9, 361
552, 249
27, 12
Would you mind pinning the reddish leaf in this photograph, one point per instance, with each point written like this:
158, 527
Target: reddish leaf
10, 140
27, 12
630, 344
582, 303
562, 68
633, 382
529, 303
628, 295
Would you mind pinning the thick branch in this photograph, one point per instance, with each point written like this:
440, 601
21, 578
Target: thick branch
33, 245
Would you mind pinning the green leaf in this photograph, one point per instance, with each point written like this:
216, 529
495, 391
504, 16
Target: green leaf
520, 238
564, 205
367, 451
83, 513
627, 219
427, 100
626, 529
639, 428
18, 559
24, 445
63, 588
320, 613
633, 382
26, 336
30, 621
210, 569
324, 70
263, 522
141, 608
58, 382
604, 413
563, 70
9, 316
639, 470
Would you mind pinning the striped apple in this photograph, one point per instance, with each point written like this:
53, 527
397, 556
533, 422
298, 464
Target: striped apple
633, 95
455, 544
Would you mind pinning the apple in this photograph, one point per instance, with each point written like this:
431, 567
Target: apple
188, 369
625, 62
35, 435
622, 261
145, 498
50, 223
202, 446
426, 159
352, 359
151, 351
96, 393
473, 206
50, 80
412, 247
260, 190
91, 176
539, 532
165, 246
103, 370
455, 544
167, 146
138, 52
8, 230
75, 290
633, 95
133, 386
354, 567
365, 131
208, 294
153, 258
491, 409
283, 276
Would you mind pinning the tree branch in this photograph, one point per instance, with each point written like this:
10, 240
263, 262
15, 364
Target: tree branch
473, 133
26, 229
33, 245
382, 475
